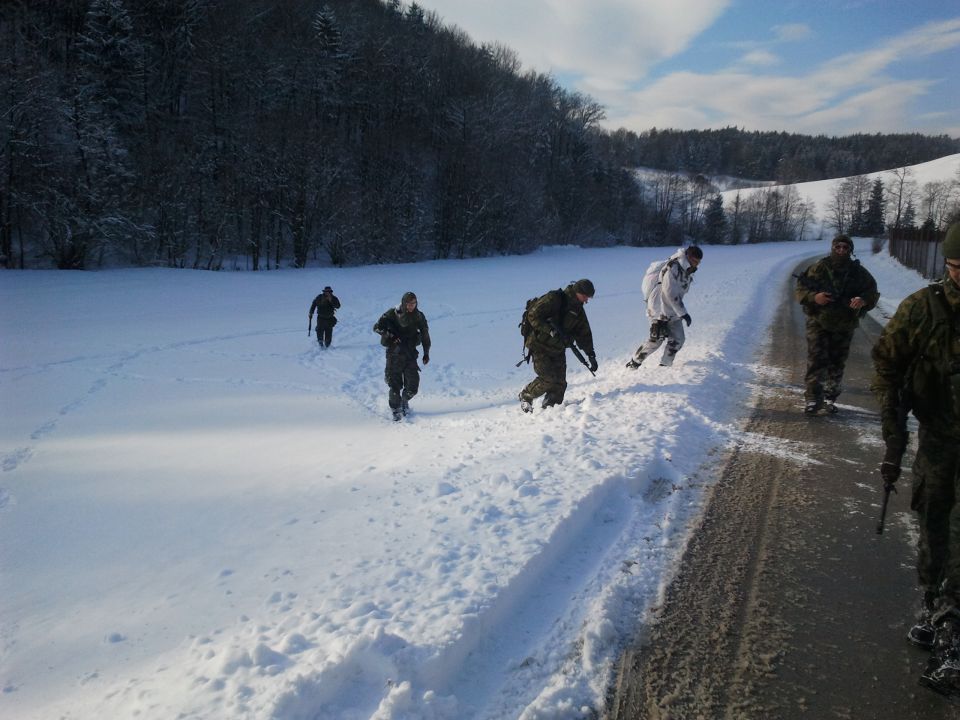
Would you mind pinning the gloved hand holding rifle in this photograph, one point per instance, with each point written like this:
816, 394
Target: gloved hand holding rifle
896, 435
889, 471
555, 331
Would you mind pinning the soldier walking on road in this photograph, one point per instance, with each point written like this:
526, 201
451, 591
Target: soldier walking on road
665, 308
326, 305
401, 330
835, 292
917, 361
556, 321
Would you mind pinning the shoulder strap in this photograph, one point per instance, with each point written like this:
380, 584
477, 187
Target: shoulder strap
563, 305
938, 307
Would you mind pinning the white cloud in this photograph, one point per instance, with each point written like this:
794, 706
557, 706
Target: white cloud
607, 48
616, 40
844, 94
792, 32
760, 58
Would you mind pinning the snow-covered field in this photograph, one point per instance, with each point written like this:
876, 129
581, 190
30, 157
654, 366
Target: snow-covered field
204, 515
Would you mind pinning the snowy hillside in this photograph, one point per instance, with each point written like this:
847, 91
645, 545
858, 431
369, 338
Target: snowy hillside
204, 515
820, 191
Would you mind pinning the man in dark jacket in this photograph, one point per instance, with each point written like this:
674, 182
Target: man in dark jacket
835, 292
917, 362
401, 330
557, 320
325, 304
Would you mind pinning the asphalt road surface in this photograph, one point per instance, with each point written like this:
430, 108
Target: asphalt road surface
788, 604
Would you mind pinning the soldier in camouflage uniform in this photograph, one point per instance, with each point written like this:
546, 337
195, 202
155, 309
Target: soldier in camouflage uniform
917, 361
326, 304
665, 307
836, 291
401, 330
557, 319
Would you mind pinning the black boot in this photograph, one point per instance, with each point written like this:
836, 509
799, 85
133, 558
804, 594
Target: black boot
922, 633
943, 669
525, 404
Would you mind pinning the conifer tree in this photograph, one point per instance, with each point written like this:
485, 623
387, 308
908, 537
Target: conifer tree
714, 221
873, 219
909, 217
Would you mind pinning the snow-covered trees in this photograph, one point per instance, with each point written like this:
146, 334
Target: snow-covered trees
197, 133
264, 133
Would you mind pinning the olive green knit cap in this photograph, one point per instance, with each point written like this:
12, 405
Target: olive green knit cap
950, 247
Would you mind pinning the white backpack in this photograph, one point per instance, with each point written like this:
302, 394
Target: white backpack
653, 277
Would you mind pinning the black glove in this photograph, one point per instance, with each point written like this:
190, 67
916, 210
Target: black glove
687, 319
593, 363
889, 472
426, 357
890, 467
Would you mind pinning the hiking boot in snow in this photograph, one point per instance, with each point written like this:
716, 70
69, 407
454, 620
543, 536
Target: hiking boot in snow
525, 404
923, 633
397, 414
404, 407
943, 668
812, 407
829, 407
633, 364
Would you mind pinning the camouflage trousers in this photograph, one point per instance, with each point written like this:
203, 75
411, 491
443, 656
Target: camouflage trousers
325, 331
551, 380
402, 375
936, 474
669, 330
827, 354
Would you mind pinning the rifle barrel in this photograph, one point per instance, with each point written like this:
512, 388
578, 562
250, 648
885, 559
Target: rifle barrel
887, 489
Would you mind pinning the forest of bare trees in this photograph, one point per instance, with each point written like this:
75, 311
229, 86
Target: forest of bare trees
272, 133
895, 200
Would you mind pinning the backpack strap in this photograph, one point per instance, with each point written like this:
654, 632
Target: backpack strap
938, 307
563, 307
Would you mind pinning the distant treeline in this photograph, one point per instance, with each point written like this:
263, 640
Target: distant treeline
783, 157
269, 133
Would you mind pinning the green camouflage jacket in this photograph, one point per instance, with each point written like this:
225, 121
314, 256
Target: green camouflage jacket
408, 329
325, 306
573, 324
844, 283
917, 363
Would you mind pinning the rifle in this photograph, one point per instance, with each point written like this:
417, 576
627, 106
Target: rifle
887, 489
309, 325
573, 348
844, 300
579, 356
896, 442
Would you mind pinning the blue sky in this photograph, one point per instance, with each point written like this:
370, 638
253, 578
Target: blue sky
807, 66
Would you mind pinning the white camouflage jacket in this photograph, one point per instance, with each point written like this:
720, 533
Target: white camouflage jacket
666, 298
